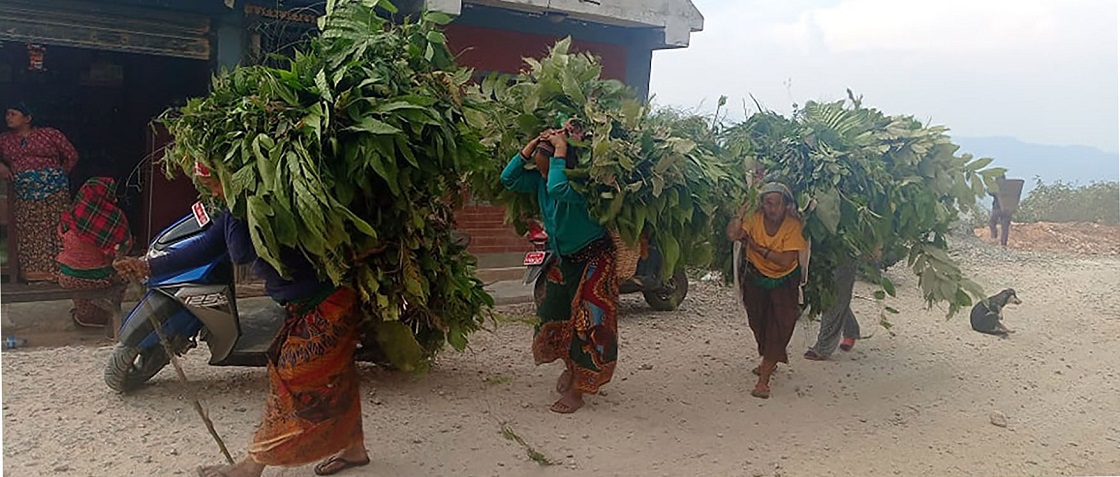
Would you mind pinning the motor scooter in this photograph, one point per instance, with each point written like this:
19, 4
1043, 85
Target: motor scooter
198, 304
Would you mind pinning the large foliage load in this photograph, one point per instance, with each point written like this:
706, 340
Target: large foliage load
640, 175
874, 186
360, 144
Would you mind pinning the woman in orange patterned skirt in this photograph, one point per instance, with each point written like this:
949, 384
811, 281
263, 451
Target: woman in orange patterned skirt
313, 410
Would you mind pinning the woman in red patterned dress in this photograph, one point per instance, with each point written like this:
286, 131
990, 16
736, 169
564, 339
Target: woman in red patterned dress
37, 162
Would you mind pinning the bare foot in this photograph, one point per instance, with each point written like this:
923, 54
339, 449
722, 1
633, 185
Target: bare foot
564, 383
245, 468
761, 391
569, 403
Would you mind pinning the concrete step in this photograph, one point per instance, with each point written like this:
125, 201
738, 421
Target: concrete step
491, 275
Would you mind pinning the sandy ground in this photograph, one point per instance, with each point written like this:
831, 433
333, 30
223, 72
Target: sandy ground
916, 403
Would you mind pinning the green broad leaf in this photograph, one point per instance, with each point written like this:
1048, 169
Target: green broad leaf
260, 232
888, 286
374, 126
400, 346
880, 295
978, 164
614, 208
828, 209
891, 310
324, 87
438, 18
243, 181
457, 336
437, 37
394, 106
671, 254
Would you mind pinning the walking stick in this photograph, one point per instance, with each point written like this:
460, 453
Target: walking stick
186, 385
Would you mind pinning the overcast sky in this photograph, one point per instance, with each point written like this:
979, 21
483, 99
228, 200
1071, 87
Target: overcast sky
1043, 71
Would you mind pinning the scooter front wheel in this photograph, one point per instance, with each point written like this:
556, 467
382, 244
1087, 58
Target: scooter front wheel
130, 367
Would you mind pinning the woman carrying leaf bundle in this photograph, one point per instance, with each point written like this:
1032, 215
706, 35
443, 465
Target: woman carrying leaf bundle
773, 272
579, 313
313, 410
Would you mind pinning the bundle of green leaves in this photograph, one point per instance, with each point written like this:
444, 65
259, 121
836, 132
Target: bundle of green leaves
874, 186
359, 145
640, 172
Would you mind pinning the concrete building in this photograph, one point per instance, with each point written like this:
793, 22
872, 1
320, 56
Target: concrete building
101, 70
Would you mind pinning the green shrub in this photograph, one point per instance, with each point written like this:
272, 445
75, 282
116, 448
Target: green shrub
1066, 202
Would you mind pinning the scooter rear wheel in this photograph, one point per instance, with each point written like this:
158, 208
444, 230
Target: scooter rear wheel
130, 367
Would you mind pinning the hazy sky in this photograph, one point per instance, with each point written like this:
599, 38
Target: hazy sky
1043, 71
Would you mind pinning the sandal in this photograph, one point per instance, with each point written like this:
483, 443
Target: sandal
813, 356
85, 323
847, 344
340, 464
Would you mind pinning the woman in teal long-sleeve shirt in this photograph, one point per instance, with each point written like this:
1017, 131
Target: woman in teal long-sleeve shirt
579, 313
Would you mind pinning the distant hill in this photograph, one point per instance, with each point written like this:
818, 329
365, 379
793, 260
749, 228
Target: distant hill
1078, 164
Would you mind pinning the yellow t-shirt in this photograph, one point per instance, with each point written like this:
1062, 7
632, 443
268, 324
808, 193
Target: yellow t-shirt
787, 239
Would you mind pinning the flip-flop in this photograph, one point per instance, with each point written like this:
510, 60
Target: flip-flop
813, 356
340, 463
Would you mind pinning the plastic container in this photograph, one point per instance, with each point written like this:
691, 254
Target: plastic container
12, 342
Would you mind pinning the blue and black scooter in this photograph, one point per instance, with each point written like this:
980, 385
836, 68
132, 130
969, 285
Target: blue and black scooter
197, 304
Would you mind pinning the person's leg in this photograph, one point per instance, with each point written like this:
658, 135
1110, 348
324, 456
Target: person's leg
313, 408
553, 336
593, 353
993, 222
781, 320
37, 245
1005, 222
851, 330
756, 301
833, 320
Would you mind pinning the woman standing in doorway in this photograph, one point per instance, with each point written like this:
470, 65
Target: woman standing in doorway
37, 161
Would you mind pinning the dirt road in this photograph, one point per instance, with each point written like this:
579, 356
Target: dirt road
916, 403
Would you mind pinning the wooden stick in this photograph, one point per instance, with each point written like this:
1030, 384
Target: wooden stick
186, 385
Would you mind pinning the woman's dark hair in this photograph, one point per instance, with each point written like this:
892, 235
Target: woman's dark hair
22, 107
572, 159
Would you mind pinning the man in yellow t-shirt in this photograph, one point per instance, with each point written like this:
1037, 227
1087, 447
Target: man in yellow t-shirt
772, 275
